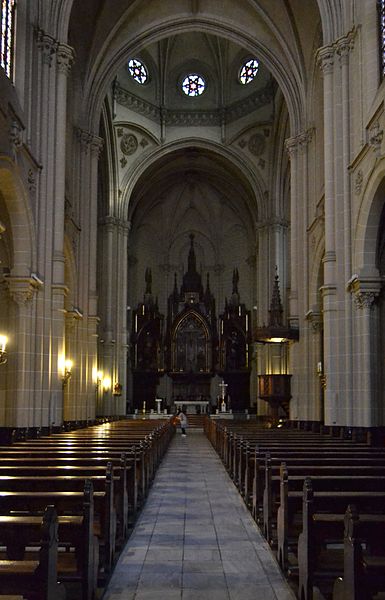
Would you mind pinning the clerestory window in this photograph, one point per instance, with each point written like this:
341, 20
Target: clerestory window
193, 85
8, 9
138, 71
381, 35
248, 71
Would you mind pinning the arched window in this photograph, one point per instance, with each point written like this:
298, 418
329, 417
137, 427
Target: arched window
193, 85
7, 35
381, 35
248, 71
138, 71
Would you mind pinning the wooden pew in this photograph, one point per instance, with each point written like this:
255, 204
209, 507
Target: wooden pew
79, 566
309, 458
140, 477
364, 557
320, 544
330, 478
36, 579
71, 503
135, 478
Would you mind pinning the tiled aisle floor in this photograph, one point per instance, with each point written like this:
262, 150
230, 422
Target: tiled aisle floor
195, 538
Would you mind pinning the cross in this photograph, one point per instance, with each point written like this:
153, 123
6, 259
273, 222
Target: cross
223, 387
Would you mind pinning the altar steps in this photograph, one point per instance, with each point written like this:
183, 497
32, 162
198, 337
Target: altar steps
196, 421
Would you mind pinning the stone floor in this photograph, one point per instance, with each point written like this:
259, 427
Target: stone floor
195, 538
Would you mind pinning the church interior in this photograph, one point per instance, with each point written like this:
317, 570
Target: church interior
192, 218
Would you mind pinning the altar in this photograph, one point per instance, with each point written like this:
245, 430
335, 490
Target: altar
192, 407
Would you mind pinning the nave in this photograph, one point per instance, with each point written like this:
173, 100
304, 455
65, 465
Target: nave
195, 538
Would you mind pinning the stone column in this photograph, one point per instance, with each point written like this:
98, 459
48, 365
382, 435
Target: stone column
298, 147
122, 326
20, 407
115, 233
344, 48
87, 154
367, 410
329, 290
59, 352
48, 136
47, 389
316, 366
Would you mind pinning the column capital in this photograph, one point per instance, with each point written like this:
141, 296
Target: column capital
65, 56
47, 46
274, 223
325, 59
111, 223
89, 142
315, 320
299, 142
22, 289
364, 290
72, 317
344, 45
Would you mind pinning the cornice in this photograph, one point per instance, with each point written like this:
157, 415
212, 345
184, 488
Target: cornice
192, 117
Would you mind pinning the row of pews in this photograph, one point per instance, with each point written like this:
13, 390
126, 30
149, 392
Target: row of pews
319, 501
68, 502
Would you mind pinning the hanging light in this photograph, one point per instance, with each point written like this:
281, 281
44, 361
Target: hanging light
275, 332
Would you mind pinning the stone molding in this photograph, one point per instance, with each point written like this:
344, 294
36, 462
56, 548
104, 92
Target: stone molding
358, 182
375, 136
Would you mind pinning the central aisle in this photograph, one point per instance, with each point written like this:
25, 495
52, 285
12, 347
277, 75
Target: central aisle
195, 539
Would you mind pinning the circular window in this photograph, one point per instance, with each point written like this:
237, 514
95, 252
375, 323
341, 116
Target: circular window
193, 85
248, 71
137, 70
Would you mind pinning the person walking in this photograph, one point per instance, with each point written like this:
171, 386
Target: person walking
183, 423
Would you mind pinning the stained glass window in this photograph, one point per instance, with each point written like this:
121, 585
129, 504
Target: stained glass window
248, 71
137, 70
381, 28
193, 85
7, 35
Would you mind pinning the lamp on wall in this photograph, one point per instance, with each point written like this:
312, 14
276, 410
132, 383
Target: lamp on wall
67, 371
106, 383
117, 389
321, 374
98, 379
3, 352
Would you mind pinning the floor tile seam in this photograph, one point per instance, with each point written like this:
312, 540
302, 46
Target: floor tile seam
255, 527
218, 544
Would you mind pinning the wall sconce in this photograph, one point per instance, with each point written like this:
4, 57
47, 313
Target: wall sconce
106, 383
321, 374
3, 352
98, 379
67, 372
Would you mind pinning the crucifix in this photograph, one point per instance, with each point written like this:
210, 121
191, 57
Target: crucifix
223, 387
